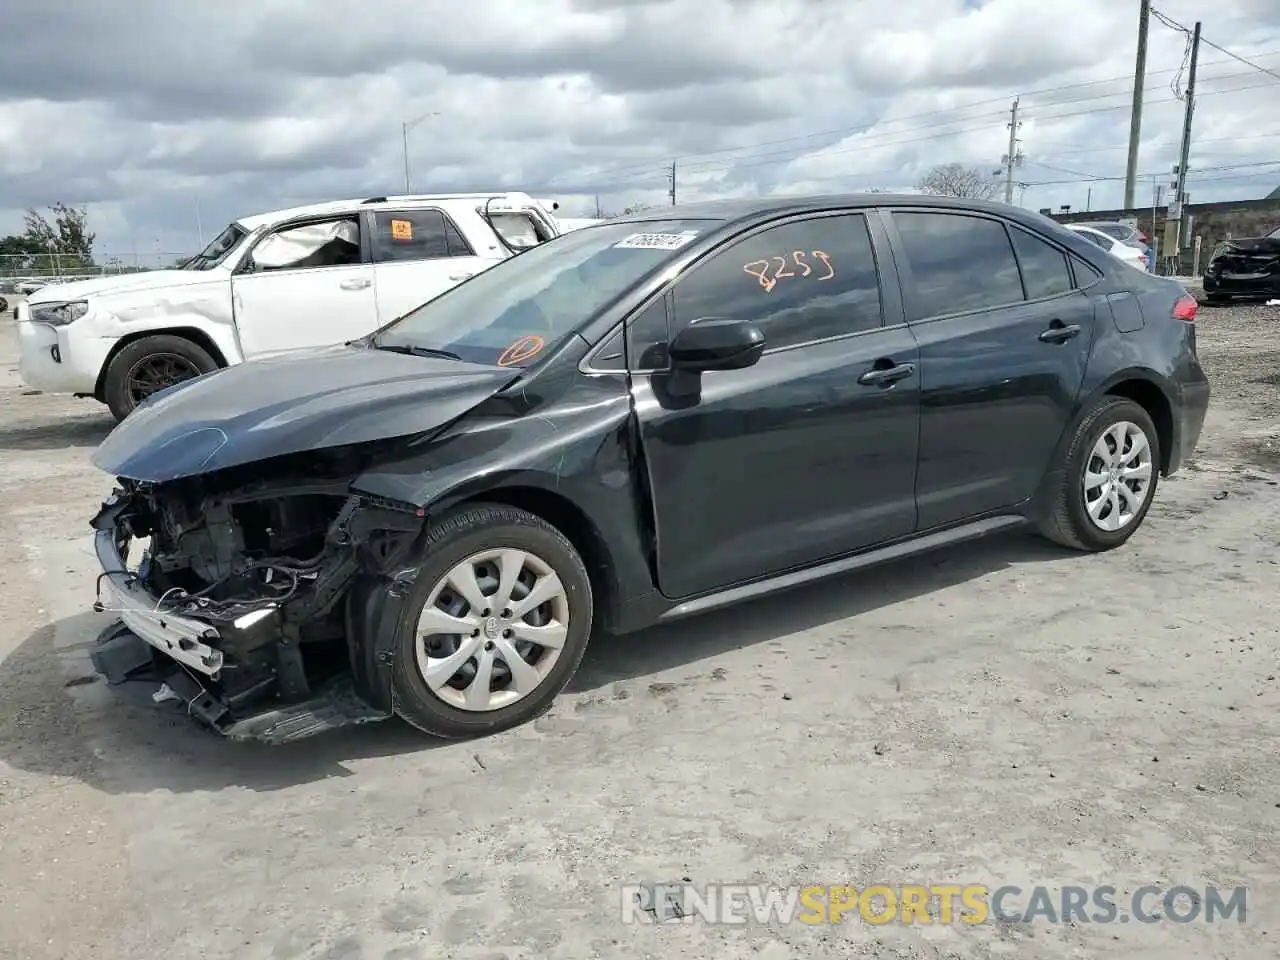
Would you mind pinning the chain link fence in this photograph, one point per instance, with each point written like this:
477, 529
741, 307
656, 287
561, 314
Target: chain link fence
16, 267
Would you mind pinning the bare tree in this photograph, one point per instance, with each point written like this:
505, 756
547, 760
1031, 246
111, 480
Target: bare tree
957, 180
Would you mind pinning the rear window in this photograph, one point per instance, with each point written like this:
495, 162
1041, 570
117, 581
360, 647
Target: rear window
958, 263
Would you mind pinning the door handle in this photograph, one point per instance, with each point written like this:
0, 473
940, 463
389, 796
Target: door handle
460, 276
1059, 332
359, 284
886, 373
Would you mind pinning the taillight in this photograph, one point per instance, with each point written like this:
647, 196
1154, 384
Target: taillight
1142, 236
1186, 308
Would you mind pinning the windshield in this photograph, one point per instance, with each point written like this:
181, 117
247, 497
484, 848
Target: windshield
514, 311
217, 250
1275, 234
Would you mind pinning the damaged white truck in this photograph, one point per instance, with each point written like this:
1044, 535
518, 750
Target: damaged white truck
293, 279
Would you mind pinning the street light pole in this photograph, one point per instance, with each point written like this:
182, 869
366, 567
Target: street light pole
405, 127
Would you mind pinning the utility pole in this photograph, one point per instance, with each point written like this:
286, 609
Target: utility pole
1013, 157
405, 127
404, 136
1135, 117
672, 175
1173, 216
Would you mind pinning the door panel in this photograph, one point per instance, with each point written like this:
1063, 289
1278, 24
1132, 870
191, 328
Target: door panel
295, 309
782, 464
998, 385
994, 401
793, 460
418, 254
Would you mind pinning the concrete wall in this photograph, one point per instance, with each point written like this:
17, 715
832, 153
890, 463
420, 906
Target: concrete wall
1212, 222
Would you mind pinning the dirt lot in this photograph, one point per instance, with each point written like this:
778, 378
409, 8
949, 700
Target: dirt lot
1002, 713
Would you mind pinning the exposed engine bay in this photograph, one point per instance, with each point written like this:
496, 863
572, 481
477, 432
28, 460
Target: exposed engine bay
251, 594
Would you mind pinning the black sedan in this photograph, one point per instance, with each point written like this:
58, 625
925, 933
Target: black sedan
1245, 267
635, 422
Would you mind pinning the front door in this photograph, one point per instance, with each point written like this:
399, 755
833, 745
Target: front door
304, 286
418, 255
1004, 334
801, 457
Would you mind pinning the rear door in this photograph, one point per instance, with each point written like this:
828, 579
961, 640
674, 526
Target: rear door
1004, 336
418, 254
803, 456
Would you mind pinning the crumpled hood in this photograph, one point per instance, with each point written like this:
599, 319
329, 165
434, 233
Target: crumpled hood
127, 283
303, 401
1267, 246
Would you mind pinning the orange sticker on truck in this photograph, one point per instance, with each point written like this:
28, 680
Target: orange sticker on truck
401, 230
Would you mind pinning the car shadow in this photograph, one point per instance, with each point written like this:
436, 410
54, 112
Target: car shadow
613, 658
134, 745
57, 434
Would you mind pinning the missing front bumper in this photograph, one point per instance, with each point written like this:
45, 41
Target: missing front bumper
121, 656
186, 640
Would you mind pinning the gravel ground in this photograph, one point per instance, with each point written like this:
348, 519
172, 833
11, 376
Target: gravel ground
999, 713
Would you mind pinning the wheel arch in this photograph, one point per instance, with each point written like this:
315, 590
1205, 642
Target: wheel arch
1149, 390
537, 494
194, 334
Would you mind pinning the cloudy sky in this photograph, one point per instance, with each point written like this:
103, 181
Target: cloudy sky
167, 118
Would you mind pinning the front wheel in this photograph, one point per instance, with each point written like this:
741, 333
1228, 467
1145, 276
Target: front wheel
496, 624
1102, 488
149, 365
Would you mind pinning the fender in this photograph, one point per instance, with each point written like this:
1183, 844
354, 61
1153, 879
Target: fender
572, 462
204, 307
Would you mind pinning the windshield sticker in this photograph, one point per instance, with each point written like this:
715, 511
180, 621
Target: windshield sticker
523, 349
656, 241
401, 230
781, 267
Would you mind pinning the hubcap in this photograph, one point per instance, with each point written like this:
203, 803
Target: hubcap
157, 371
492, 629
1117, 476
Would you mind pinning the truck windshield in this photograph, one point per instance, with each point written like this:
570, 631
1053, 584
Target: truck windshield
217, 250
511, 313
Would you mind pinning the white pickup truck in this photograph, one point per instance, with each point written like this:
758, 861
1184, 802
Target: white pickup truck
305, 277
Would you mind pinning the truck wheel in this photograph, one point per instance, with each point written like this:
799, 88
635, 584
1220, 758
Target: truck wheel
1099, 493
495, 625
145, 366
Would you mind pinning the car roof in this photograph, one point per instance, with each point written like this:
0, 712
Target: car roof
753, 208
332, 207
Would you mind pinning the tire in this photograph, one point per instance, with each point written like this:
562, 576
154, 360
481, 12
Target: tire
1064, 516
456, 541
178, 352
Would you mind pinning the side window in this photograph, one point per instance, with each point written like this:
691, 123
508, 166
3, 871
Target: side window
1044, 268
647, 337
416, 235
958, 263
800, 282
332, 243
1086, 274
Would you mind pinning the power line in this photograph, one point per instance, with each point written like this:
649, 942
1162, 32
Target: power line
753, 148
1175, 25
652, 170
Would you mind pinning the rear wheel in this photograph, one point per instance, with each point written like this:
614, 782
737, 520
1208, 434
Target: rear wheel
1103, 486
497, 623
149, 365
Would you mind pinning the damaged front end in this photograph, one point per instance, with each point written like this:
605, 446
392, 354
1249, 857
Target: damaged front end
259, 603
1247, 267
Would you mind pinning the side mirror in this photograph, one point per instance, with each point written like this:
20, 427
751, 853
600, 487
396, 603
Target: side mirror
714, 343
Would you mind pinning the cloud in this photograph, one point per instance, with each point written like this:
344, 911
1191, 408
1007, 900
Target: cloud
149, 112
